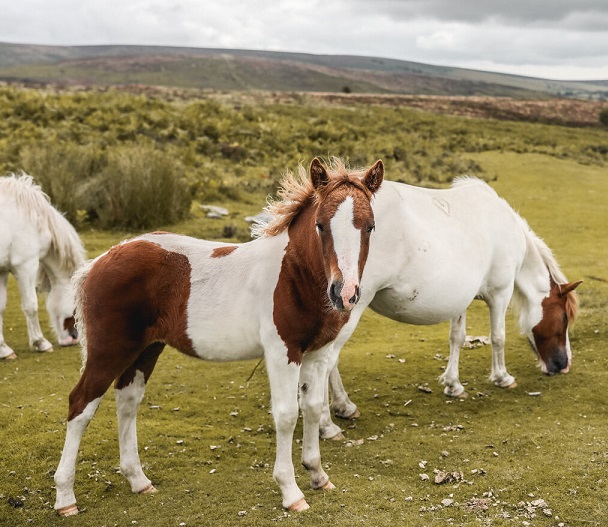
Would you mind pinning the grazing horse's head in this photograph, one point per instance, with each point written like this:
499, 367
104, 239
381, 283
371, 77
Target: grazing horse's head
60, 305
549, 338
344, 221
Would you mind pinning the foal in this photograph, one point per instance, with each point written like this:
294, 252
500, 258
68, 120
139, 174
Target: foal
285, 295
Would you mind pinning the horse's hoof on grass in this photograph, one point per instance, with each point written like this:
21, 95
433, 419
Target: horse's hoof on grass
299, 506
70, 510
150, 489
12, 356
338, 437
462, 395
328, 486
355, 415
512, 385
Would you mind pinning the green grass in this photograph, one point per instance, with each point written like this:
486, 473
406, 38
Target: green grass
552, 447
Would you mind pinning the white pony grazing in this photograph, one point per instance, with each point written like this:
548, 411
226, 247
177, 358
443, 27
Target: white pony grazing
38, 246
434, 252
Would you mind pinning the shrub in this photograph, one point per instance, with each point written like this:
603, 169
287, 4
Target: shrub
139, 188
61, 170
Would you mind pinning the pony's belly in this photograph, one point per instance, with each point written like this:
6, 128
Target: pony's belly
419, 309
226, 344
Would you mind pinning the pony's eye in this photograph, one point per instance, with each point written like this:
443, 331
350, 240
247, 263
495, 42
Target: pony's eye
371, 228
320, 227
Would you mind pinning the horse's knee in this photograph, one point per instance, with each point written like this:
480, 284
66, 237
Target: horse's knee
285, 417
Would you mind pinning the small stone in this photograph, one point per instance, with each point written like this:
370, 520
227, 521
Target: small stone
447, 502
242, 513
424, 477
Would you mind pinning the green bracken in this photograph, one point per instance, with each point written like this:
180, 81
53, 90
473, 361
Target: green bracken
205, 433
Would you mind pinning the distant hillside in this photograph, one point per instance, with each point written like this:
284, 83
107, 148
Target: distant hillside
232, 69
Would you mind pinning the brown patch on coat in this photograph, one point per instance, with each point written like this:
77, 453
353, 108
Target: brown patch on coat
302, 314
135, 300
220, 252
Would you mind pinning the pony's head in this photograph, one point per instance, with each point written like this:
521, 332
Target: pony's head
60, 306
549, 338
344, 221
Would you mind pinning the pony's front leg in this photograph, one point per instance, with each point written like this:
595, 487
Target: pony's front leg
498, 309
26, 279
312, 390
327, 428
284, 377
5, 351
450, 377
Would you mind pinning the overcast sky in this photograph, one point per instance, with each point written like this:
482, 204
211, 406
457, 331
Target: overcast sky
558, 39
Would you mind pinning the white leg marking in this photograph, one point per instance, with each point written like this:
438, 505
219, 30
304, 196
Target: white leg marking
284, 394
128, 400
312, 388
65, 473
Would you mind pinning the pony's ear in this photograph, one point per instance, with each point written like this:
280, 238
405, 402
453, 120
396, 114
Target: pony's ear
564, 289
374, 176
318, 174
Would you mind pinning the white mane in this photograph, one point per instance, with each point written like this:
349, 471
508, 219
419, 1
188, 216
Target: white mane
30, 198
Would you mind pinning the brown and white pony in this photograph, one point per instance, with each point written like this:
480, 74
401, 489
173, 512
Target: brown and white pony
285, 295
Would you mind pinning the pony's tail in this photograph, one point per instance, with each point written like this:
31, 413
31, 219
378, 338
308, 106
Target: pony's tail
77, 282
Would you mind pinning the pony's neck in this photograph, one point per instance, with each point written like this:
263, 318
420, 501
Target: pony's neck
532, 285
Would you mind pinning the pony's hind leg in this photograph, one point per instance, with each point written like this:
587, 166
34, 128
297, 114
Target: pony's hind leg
5, 351
129, 391
312, 389
84, 401
26, 279
450, 377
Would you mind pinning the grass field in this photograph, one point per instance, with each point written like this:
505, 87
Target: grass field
206, 436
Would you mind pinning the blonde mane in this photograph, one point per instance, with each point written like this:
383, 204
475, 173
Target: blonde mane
296, 191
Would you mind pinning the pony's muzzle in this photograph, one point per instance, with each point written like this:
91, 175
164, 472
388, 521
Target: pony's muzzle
559, 363
343, 299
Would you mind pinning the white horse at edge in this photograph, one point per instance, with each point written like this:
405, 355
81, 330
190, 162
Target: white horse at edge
40, 248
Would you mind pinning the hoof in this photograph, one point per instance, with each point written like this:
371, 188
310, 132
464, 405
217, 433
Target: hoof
355, 415
70, 510
462, 395
12, 356
150, 489
328, 486
299, 506
512, 385
338, 437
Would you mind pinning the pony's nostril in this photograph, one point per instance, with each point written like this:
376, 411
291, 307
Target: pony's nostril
334, 294
355, 298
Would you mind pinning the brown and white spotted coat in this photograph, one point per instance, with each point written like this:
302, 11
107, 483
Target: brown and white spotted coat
285, 295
